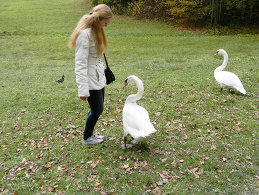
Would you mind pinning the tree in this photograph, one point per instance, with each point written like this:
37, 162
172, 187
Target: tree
196, 11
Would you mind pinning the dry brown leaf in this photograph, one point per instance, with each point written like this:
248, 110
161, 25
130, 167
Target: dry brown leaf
158, 114
174, 164
219, 170
59, 169
248, 158
165, 181
213, 147
196, 176
160, 183
224, 159
164, 160
51, 189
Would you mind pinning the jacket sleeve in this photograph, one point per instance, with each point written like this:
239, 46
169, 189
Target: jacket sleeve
81, 58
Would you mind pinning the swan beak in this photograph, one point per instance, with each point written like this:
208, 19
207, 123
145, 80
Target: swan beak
216, 53
125, 84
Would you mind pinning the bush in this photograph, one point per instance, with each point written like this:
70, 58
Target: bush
149, 9
139, 8
117, 6
223, 12
215, 11
185, 10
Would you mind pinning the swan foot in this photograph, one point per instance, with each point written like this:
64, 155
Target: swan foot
124, 145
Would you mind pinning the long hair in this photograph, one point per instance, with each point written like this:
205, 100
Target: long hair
92, 20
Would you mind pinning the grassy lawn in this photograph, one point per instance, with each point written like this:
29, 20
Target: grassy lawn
207, 140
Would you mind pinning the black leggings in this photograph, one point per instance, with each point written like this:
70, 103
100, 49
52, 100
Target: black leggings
96, 102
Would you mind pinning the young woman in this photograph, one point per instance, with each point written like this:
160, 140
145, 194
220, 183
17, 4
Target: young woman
89, 41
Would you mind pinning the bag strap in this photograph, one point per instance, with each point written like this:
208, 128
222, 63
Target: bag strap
105, 60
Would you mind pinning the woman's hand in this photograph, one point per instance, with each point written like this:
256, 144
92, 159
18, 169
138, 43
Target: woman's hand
84, 98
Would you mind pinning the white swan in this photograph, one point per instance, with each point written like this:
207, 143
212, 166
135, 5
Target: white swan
227, 79
136, 120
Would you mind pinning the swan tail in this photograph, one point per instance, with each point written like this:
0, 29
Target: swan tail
241, 90
147, 134
239, 87
138, 134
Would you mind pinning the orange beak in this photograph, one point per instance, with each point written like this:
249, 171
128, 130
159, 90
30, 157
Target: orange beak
125, 84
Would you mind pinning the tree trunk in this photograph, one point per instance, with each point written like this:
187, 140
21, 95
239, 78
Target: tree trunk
212, 11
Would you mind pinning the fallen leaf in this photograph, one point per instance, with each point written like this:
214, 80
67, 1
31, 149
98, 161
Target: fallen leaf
111, 191
160, 183
196, 175
164, 160
165, 181
248, 158
51, 189
158, 114
219, 170
224, 159
59, 169
174, 165
213, 147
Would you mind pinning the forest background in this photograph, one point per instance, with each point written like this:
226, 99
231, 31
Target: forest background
198, 12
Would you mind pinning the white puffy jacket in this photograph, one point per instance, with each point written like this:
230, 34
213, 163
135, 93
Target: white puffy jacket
89, 67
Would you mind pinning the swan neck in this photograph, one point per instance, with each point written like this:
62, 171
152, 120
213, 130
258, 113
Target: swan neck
224, 64
139, 94
140, 90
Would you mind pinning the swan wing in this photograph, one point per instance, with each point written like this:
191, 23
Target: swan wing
136, 121
229, 80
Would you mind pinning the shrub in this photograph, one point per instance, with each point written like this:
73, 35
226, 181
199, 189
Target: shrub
139, 8
195, 11
149, 9
117, 6
186, 10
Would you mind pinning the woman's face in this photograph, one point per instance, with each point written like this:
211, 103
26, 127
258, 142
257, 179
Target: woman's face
105, 22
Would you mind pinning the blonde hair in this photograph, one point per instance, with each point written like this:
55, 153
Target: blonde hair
92, 20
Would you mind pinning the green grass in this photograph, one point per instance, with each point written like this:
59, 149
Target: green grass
207, 140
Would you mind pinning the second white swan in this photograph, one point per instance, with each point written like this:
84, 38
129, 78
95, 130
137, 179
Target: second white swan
227, 79
136, 120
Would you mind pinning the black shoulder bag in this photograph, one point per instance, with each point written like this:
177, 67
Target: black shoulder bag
108, 72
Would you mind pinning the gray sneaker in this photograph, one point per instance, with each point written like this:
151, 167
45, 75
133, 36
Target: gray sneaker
98, 136
91, 141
